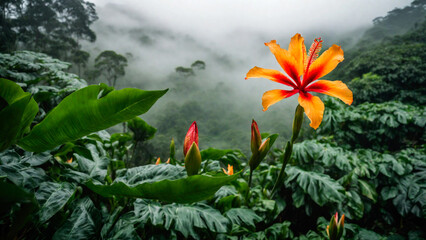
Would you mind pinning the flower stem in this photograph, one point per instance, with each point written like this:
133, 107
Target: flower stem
249, 185
297, 124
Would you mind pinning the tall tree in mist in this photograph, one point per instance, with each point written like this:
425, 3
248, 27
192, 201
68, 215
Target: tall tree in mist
80, 58
110, 65
49, 26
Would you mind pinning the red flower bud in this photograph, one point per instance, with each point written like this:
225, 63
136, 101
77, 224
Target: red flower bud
191, 137
256, 139
335, 228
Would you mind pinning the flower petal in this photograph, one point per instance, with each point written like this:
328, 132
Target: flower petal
332, 88
298, 50
270, 74
191, 137
285, 59
314, 108
324, 64
271, 97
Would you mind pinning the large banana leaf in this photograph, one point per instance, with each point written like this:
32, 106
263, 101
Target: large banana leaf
164, 186
16, 117
85, 111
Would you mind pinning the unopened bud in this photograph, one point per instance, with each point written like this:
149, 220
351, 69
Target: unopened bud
264, 148
172, 152
335, 229
193, 160
256, 158
256, 138
297, 122
191, 137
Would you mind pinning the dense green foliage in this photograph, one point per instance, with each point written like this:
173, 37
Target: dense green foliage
392, 69
380, 126
396, 22
42, 76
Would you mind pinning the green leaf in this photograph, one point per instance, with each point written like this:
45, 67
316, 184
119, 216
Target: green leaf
187, 218
183, 190
150, 173
123, 229
18, 115
23, 175
367, 190
149, 211
53, 197
9, 156
277, 231
83, 112
389, 192
93, 164
320, 187
353, 207
368, 235
272, 138
225, 156
10, 117
82, 224
11, 193
224, 192
243, 216
37, 159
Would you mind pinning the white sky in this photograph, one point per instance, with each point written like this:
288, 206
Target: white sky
220, 17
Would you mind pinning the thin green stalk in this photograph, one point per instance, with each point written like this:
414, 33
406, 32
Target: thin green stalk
286, 158
132, 160
297, 124
249, 185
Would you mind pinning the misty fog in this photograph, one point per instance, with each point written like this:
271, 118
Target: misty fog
229, 36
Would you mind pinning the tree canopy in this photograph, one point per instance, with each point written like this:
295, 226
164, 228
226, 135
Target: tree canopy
49, 26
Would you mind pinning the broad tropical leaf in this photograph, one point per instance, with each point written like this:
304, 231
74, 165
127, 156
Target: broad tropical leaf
91, 161
85, 111
367, 190
53, 197
16, 117
225, 156
320, 187
11, 193
186, 218
243, 217
149, 211
23, 175
82, 224
165, 187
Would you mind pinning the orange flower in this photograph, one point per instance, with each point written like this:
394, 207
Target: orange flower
302, 70
158, 161
230, 170
69, 160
